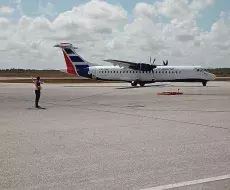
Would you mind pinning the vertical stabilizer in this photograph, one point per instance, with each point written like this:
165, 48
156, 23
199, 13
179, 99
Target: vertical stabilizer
74, 62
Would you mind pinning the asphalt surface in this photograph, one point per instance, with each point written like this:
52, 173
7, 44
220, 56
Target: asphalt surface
111, 136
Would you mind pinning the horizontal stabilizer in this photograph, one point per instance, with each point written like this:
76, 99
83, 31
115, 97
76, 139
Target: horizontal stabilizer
65, 45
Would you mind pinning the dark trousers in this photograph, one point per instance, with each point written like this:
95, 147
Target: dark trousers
37, 93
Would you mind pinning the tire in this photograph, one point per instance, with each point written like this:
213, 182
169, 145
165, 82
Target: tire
204, 83
142, 84
134, 83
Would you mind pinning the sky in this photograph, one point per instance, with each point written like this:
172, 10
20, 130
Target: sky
185, 32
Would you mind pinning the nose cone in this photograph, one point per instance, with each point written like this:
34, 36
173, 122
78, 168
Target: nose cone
212, 76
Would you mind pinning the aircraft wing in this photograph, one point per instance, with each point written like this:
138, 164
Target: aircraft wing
132, 65
125, 64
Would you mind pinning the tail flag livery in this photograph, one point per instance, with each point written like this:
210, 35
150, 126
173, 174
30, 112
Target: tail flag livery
75, 64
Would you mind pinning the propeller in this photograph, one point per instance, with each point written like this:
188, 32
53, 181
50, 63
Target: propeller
150, 60
165, 63
152, 65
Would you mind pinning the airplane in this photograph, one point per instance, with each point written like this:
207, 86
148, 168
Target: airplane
131, 72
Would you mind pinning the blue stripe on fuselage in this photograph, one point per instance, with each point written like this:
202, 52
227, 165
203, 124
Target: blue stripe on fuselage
83, 70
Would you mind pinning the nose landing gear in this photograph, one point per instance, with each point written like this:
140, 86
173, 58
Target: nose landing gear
204, 83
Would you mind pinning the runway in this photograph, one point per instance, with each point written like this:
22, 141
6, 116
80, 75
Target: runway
112, 136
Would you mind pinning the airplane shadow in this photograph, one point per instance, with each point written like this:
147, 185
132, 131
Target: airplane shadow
147, 86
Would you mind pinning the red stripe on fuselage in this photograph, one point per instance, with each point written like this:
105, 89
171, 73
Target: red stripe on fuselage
69, 65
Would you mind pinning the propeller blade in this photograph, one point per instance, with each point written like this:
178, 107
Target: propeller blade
165, 63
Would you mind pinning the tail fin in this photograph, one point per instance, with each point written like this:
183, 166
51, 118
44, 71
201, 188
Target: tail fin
74, 62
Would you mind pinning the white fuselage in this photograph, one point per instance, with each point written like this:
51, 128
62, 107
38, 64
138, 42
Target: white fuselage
161, 73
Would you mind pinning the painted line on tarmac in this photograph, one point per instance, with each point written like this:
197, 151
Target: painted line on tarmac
188, 183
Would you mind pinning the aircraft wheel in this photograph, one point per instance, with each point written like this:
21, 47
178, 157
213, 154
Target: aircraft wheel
204, 83
142, 84
134, 83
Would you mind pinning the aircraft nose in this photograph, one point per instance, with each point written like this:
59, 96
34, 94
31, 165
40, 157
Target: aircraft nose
213, 77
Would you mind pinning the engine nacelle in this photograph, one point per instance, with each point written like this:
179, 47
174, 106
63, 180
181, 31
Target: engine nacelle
143, 67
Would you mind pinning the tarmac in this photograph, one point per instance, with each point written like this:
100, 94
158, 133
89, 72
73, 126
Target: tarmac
113, 136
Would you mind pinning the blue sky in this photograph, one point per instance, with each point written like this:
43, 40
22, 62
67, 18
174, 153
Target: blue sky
31, 8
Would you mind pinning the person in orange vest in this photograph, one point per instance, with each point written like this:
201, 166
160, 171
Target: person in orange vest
37, 91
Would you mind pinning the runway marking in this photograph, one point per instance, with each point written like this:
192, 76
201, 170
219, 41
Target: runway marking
188, 183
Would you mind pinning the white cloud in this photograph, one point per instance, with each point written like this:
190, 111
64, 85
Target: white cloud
182, 9
6, 10
145, 10
103, 30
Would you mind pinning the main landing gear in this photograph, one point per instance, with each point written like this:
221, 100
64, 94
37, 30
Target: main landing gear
134, 83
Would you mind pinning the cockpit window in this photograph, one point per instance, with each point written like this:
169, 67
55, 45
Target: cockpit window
201, 70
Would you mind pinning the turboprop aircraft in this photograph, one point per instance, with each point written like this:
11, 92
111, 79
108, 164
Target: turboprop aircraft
131, 72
